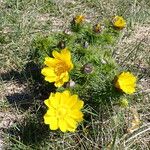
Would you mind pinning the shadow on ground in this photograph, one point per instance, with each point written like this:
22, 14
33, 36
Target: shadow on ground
30, 130
36, 88
31, 133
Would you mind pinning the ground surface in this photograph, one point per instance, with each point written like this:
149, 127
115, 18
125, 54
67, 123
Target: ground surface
20, 22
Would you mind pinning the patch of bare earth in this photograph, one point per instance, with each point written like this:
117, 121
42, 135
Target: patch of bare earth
136, 45
9, 115
134, 51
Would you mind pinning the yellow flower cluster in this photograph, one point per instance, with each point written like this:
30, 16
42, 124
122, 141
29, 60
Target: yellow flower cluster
119, 22
64, 111
58, 68
126, 82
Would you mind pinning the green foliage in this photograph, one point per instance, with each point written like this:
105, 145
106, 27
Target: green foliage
88, 49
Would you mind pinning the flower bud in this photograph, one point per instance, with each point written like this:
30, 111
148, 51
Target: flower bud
124, 103
88, 68
67, 32
62, 44
86, 44
97, 28
71, 84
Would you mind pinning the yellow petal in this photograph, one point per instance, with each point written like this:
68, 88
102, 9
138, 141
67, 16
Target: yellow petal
71, 129
77, 115
61, 76
47, 102
66, 57
49, 74
47, 119
62, 125
54, 124
71, 122
65, 96
78, 105
66, 54
65, 77
50, 79
51, 111
68, 100
61, 79
72, 101
129, 89
55, 101
51, 62
66, 93
52, 121
56, 55
59, 83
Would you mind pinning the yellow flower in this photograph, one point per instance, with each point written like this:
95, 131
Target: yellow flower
64, 111
119, 22
58, 67
79, 19
126, 82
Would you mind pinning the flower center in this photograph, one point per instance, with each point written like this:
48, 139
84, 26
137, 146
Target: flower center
61, 112
60, 68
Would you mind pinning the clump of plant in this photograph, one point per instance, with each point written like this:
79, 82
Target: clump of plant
80, 64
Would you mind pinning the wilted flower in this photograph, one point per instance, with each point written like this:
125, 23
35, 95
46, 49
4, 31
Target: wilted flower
119, 22
64, 111
126, 82
79, 19
58, 68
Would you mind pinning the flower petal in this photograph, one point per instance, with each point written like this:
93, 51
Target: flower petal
66, 53
66, 57
55, 101
49, 74
62, 125
65, 97
54, 124
52, 121
51, 112
71, 122
77, 115
47, 102
78, 105
59, 83
65, 77
56, 55
51, 62
66, 93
